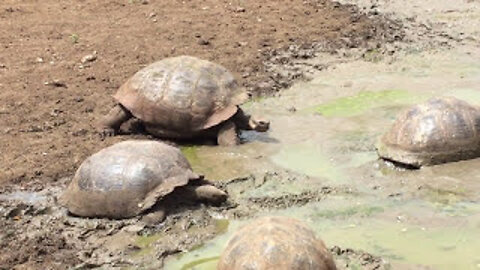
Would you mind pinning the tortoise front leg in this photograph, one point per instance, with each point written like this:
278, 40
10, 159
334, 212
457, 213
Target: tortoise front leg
111, 123
248, 122
227, 135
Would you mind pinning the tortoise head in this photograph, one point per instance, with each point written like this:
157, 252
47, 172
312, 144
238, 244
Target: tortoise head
259, 124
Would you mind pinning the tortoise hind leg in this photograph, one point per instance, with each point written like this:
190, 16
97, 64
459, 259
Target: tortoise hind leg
227, 135
111, 123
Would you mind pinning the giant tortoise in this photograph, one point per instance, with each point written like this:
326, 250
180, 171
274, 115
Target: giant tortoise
441, 130
131, 178
182, 98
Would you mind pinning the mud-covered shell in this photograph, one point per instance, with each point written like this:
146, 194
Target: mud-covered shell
125, 179
182, 94
278, 243
440, 130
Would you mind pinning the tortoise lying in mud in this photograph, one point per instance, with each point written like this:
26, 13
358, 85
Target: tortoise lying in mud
131, 177
441, 130
278, 243
181, 98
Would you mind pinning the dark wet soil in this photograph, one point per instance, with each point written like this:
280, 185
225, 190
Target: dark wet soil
40, 234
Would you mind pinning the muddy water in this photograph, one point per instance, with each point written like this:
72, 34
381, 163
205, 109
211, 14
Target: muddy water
327, 128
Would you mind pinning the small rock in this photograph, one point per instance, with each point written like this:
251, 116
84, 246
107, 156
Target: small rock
89, 57
151, 15
2, 65
39, 60
239, 9
203, 42
56, 83
135, 228
55, 112
291, 109
80, 132
242, 44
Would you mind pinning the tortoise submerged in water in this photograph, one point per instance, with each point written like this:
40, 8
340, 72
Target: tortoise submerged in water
182, 98
440, 130
129, 178
278, 243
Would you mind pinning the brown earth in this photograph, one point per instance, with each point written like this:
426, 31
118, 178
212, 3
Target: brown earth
50, 100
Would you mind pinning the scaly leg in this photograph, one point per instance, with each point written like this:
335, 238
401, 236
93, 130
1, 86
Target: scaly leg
111, 123
227, 135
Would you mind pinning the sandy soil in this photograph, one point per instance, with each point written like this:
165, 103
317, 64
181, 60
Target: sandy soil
50, 99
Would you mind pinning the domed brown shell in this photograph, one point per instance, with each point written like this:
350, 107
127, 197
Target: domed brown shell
441, 130
125, 179
181, 95
278, 243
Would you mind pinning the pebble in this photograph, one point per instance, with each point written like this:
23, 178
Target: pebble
89, 57
55, 83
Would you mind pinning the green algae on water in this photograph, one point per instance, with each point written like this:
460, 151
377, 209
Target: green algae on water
363, 101
308, 159
145, 243
202, 264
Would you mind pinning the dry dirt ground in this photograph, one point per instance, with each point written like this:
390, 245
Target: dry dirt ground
51, 99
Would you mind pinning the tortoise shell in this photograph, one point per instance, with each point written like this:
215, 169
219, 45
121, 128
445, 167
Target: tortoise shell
441, 130
126, 179
181, 95
278, 243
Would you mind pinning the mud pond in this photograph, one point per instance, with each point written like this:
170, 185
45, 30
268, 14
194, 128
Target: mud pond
327, 129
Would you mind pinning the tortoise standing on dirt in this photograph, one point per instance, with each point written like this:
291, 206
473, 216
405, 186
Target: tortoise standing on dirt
441, 130
129, 178
181, 98
278, 243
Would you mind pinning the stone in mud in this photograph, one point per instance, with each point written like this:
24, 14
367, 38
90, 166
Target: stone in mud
131, 177
441, 130
279, 243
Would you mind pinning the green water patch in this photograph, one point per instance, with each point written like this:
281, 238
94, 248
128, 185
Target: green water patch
364, 101
204, 263
308, 158
357, 210
216, 163
372, 226
441, 248
145, 243
221, 225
